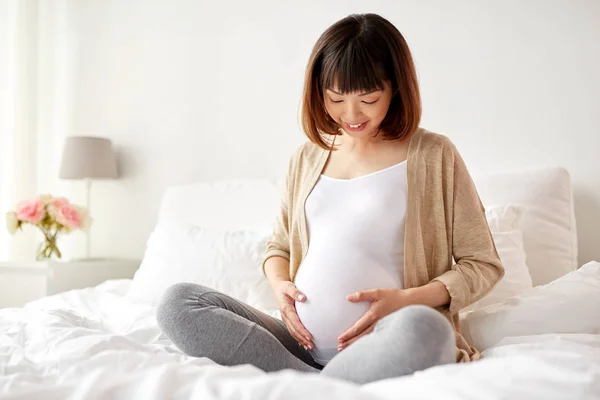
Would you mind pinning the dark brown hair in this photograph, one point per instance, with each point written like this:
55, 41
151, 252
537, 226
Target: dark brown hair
359, 53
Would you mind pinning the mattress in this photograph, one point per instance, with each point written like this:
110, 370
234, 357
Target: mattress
95, 343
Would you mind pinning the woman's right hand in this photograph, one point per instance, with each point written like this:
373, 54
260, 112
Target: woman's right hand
287, 294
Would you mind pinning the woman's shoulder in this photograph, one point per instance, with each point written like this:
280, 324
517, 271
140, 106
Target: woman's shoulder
430, 145
427, 140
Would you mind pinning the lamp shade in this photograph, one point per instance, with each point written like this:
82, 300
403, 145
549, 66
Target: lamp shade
88, 157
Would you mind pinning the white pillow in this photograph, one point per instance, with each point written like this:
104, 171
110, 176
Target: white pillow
225, 260
548, 218
222, 204
504, 222
570, 304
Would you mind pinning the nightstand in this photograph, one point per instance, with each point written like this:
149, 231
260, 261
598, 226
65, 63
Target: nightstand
21, 282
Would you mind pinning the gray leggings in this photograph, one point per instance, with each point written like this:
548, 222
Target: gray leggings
203, 322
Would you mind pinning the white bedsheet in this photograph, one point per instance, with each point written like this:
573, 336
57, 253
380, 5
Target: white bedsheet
96, 344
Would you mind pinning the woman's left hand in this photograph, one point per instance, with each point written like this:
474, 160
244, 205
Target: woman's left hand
383, 302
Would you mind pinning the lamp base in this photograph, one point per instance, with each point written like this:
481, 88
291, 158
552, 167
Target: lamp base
88, 204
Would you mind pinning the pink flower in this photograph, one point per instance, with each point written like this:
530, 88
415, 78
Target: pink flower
58, 202
31, 211
66, 215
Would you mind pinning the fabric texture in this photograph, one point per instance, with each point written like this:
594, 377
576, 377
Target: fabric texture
203, 322
445, 221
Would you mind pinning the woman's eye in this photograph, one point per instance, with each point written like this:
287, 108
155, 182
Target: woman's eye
364, 102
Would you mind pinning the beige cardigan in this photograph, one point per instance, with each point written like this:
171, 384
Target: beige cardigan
445, 220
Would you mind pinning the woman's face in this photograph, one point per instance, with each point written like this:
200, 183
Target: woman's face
358, 114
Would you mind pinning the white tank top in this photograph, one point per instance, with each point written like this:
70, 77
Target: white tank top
356, 231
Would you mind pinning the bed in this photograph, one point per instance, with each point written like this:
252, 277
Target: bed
539, 331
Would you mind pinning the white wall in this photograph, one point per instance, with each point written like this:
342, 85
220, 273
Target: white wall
4, 110
195, 90
19, 67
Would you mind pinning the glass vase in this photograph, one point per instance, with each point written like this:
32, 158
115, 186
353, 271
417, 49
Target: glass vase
47, 249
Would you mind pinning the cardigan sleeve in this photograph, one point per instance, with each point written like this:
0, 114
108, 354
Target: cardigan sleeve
477, 268
279, 245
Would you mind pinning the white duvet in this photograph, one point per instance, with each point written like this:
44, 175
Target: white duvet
97, 344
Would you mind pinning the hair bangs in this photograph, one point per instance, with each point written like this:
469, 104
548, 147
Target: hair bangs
352, 69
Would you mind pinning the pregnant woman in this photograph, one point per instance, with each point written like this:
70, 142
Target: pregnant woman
381, 238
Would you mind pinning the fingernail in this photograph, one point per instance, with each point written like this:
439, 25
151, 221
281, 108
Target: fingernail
305, 348
300, 297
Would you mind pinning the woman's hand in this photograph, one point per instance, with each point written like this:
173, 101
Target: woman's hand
383, 302
287, 294
386, 301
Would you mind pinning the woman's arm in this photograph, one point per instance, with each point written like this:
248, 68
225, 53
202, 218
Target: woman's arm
433, 294
277, 269
477, 268
279, 245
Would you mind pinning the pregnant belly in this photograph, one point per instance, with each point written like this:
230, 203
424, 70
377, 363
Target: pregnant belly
327, 313
326, 317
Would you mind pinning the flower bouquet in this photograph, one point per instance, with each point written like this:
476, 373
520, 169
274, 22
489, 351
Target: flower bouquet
53, 216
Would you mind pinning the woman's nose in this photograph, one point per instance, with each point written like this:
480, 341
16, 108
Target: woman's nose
352, 113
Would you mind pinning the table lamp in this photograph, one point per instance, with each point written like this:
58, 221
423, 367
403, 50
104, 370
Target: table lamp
88, 158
